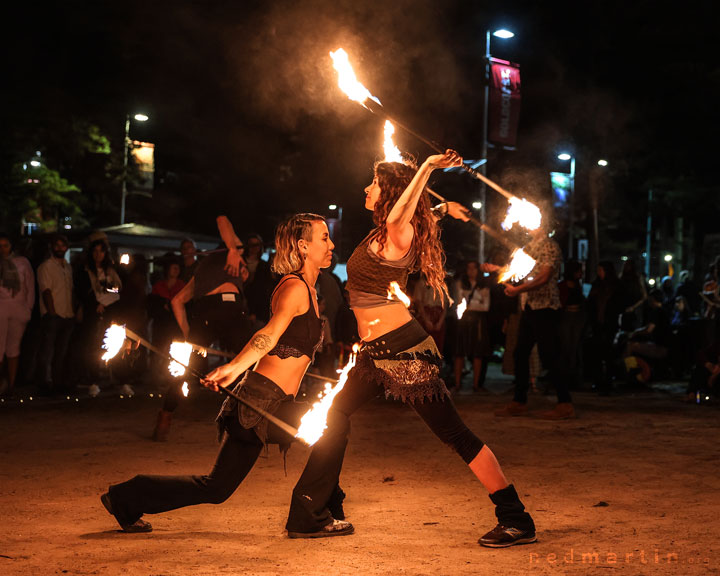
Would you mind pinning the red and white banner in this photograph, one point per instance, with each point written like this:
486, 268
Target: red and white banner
504, 112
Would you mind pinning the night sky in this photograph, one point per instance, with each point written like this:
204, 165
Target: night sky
248, 121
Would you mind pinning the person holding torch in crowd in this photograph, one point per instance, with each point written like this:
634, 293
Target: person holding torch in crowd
398, 357
275, 359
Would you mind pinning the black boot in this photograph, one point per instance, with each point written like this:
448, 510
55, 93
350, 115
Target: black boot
515, 526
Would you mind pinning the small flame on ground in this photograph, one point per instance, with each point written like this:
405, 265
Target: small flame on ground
524, 213
125, 259
347, 80
461, 308
520, 266
185, 389
392, 152
394, 291
314, 421
113, 341
180, 352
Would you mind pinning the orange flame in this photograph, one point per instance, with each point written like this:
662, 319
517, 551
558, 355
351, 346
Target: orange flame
524, 213
394, 291
314, 421
392, 152
180, 352
347, 80
185, 389
113, 341
520, 266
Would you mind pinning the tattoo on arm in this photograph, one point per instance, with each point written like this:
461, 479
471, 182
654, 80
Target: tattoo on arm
261, 343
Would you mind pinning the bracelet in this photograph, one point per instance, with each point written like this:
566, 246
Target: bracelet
440, 211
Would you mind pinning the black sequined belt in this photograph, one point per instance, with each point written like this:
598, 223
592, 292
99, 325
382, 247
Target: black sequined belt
396, 341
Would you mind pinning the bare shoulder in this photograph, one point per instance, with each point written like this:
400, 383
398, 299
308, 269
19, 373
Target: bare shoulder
292, 294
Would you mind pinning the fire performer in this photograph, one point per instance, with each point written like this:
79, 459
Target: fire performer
219, 311
280, 352
398, 355
539, 321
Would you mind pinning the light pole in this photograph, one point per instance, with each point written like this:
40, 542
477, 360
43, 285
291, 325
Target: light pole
504, 34
126, 148
571, 220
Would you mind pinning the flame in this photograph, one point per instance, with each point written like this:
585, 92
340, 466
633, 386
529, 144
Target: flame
185, 389
314, 421
125, 259
520, 266
180, 352
347, 80
461, 308
524, 213
394, 291
113, 341
392, 152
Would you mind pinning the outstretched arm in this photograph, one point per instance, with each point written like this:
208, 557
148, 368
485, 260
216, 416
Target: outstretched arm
399, 228
289, 301
178, 306
234, 262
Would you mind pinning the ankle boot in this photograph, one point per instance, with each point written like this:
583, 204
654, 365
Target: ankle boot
510, 511
162, 427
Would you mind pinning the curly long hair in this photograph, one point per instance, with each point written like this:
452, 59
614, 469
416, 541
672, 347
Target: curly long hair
393, 179
288, 257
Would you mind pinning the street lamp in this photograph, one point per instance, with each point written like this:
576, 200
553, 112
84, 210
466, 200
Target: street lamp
139, 118
505, 35
564, 156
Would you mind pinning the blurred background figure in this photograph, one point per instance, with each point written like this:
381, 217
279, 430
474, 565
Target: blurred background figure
188, 252
259, 284
17, 298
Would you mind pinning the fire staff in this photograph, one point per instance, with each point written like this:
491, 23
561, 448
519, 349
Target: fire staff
281, 353
398, 357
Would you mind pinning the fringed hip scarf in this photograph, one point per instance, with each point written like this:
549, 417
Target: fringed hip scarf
406, 362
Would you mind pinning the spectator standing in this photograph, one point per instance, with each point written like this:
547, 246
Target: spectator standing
165, 327
98, 289
690, 291
430, 310
260, 283
572, 323
17, 298
188, 252
55, 283
473, 333
635, 296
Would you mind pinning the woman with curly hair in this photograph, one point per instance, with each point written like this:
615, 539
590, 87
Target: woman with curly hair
398, 357
275, 359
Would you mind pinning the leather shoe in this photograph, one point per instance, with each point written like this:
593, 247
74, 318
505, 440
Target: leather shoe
563, 411
512, 409
134, 528
335, 528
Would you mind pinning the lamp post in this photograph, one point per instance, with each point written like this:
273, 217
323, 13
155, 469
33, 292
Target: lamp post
504, 34
571, 223
126, 148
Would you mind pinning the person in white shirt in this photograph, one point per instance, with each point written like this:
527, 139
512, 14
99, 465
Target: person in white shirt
55, 283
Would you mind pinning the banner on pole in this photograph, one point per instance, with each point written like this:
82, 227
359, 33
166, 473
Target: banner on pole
504, 103
562, 188
143, 154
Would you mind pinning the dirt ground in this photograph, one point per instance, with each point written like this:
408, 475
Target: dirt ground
631, 487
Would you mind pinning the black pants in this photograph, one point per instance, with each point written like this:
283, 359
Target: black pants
55, 340
239, 451
541, 327
308, 508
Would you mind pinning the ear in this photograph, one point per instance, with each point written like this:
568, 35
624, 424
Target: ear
303, 246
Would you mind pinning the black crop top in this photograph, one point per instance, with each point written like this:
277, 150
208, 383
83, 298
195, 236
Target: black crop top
304, 335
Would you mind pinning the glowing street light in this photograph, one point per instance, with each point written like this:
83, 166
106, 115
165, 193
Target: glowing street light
504, 34
602, 163
332, 207
565, 156
477, 205
668, 257
139, 118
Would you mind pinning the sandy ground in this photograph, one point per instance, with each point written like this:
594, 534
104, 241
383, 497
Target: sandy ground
629, 487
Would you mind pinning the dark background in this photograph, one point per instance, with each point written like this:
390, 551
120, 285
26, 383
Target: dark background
248, 121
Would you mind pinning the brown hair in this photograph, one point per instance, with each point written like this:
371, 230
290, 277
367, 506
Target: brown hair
288, 257
393, 179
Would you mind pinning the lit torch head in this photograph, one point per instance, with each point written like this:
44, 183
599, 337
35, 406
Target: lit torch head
185, 389
113, 341
347, 80
461, 308
394, 291
125, 259
524, 213
392, 152
314, 421
520, 266
180, 352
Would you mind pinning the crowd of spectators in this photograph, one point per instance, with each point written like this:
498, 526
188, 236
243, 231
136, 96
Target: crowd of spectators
615, 331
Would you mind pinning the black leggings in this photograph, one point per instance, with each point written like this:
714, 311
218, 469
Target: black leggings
308, 509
